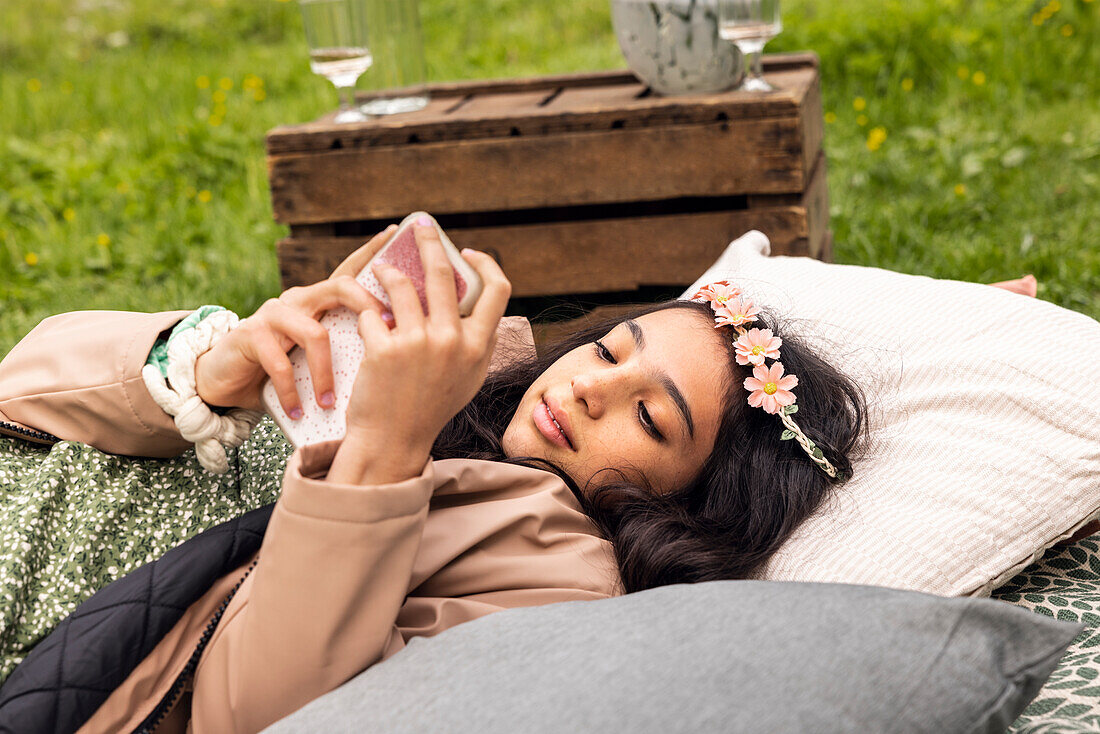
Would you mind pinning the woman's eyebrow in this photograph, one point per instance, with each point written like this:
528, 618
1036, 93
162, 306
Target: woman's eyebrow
663, 378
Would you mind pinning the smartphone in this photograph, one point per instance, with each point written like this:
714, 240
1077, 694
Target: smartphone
319, 424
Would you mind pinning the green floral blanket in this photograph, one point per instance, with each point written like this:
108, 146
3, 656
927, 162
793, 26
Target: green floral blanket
1064, 584
73, 519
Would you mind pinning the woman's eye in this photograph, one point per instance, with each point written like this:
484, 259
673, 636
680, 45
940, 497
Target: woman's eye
603, 353
647, 422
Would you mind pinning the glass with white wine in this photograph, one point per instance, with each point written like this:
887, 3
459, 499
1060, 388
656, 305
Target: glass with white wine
749, 25
339, 49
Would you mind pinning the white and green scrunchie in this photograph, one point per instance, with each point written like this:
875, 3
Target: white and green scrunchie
169, 373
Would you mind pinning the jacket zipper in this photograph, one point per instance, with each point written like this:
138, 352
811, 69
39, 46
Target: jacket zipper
152, 721
27, 434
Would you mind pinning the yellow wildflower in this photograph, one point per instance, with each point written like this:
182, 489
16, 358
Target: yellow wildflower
978, 78
876, 138
907, 84
218, 96
220, 110
31, 259
215, 121
34, 85
225, 83
103, 240
203, 82
259, 95
205, 196
960, 189
963, 72
830, 117
69, 214
859, 104
1067, 30
1037, 19
1053, 6
862, 120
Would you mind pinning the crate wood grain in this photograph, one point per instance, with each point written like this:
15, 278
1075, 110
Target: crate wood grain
598, 255
553, 142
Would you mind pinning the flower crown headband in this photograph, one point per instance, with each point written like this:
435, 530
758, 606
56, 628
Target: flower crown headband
768, 387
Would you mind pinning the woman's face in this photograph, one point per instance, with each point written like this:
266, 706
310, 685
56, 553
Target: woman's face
645, 399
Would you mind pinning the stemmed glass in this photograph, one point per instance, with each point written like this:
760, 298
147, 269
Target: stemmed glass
336, 31
749, 24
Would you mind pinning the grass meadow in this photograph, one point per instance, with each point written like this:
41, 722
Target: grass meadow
963, 138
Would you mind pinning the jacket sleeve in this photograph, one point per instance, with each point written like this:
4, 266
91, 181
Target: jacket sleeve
320, 605
78, 376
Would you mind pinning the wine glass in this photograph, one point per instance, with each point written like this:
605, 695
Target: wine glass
749, 24
336, 31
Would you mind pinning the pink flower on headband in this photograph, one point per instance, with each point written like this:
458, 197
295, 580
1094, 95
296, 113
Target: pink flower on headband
718, 292
735, 312
770, 389
756, 345
726, 302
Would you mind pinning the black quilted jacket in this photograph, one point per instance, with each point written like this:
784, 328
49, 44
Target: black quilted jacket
69, 675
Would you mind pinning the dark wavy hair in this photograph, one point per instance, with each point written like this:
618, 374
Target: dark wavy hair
747, 498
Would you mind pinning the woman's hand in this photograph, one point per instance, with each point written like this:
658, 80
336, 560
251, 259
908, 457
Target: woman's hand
232, 373
418, 374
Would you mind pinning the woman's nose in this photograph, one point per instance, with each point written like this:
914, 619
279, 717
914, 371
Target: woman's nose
592, 390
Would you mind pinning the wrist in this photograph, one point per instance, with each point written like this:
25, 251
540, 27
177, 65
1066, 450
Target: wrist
365, 460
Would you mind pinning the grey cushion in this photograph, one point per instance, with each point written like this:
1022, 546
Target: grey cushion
722, 656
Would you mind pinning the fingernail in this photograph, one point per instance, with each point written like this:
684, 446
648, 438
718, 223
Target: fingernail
466, 250
327, 399
424, 220
387, 317
296, 413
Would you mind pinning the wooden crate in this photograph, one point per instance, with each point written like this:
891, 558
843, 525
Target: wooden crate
577, 184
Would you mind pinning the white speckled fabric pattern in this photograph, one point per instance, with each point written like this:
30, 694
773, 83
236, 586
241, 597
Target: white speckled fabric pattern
75, 519
985, 411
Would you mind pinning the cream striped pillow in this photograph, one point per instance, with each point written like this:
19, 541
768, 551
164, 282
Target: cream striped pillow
985, 406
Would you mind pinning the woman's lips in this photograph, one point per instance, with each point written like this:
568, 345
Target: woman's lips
544, 421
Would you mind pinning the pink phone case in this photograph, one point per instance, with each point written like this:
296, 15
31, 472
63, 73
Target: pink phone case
318, 424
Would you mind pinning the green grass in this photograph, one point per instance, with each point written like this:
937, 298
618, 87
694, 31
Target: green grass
118, 191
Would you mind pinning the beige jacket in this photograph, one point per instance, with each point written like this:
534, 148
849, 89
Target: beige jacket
345, 575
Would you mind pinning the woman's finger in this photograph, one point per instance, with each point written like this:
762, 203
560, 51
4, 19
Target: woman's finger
358, 260
372, 330
313, 338
439, 276
342, 290
495, 292
404, 300
278, 367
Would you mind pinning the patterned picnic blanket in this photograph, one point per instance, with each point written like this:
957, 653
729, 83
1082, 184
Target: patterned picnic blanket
73, 519
1064, 584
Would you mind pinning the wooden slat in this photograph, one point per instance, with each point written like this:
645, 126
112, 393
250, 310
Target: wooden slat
816, 204
585, 257
771, 62
644, 164
486, 105
812, 121
452, 118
